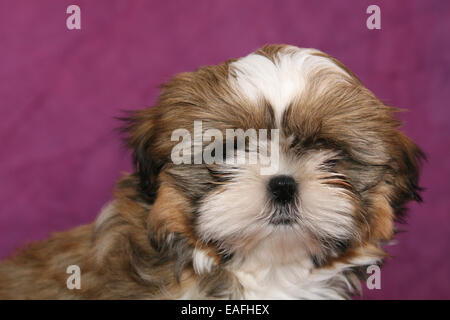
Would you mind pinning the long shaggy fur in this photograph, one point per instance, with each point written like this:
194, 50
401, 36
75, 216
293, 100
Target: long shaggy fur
206, 230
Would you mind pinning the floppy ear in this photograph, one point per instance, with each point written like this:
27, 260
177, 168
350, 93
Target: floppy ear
399, 186
141, 138
408, 158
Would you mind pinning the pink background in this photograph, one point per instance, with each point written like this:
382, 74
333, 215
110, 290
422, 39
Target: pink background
60, 89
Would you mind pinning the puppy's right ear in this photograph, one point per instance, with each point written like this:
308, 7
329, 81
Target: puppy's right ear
141, 130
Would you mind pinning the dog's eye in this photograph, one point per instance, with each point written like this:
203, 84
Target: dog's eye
330, 163
309, 142
295, 142
320, 142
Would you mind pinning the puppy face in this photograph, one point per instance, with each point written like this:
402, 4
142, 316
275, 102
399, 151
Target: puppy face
343, 171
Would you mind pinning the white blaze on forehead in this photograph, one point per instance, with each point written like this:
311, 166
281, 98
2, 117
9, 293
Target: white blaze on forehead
279, 82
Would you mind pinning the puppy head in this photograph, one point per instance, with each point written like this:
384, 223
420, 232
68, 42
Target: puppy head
341, 171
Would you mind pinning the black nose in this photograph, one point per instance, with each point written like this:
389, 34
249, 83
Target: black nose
283, 188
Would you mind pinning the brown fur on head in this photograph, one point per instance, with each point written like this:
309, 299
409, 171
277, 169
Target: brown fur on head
343, 175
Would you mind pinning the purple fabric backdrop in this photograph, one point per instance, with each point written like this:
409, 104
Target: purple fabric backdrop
60, 89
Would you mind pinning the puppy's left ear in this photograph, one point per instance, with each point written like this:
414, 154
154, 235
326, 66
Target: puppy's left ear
407, 162
141, 129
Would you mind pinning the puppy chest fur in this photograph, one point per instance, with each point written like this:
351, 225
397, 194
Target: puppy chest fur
340, 174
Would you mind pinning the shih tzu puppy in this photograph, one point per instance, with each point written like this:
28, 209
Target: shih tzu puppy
274, 176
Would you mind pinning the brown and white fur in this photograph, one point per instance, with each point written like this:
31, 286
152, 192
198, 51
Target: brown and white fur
194, 231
